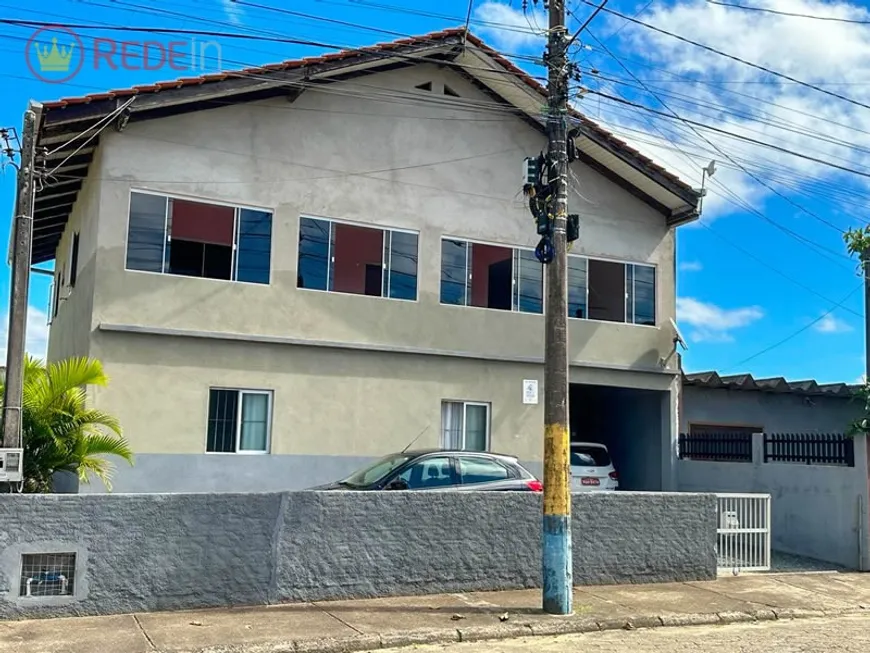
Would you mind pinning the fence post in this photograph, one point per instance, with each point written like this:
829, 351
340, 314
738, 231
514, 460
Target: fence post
862, 472
757, 448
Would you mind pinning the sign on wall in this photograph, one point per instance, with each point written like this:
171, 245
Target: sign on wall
530, 391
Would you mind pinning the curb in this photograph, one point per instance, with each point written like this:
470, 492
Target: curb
557, 626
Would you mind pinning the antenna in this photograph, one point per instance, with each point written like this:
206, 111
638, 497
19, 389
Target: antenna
417, 438
678, 337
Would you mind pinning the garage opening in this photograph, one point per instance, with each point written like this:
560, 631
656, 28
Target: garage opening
629, 423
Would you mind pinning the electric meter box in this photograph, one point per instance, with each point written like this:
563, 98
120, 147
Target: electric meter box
11, 465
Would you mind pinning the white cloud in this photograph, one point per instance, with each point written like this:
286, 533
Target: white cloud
511, 30
833, 55
234, 11
36, 343
711, 323
831, 324
691, 266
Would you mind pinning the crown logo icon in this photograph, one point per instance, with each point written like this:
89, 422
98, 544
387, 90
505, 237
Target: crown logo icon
54, 59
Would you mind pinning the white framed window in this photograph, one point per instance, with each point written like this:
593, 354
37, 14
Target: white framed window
465, 425
239, 421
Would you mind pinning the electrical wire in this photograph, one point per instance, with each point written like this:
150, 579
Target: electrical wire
730, 134
733, 57
758, 180
789, 14
365, 50
106, 122
777, 271
796, 333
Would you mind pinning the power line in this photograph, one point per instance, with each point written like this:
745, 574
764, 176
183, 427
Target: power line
796, 333
790, 14
720, 150
725, 132
775, 270
365, 50
733, 58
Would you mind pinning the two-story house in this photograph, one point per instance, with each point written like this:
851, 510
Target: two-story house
292, 270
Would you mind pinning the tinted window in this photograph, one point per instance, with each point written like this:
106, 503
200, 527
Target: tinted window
529, 283
644, 295
402, 264
429, 473
314, 244
376, 471
254, 249
589, 457
454, 273
577, 287
481, 470
146, 234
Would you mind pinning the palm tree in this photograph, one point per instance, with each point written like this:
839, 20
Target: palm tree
59, 432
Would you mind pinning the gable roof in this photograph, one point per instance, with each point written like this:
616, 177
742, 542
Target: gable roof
455, 48
776, 384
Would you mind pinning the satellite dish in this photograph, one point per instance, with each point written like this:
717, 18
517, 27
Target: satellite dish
678, 337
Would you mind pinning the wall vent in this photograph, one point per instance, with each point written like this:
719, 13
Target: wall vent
450, 91
425, 87
47, 574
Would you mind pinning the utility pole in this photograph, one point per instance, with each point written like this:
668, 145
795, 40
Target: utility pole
20, 282
557, 558
865, 269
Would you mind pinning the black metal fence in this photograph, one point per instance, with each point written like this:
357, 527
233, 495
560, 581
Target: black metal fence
723, 447
809, 448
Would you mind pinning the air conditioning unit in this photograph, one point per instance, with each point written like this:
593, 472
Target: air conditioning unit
11, 465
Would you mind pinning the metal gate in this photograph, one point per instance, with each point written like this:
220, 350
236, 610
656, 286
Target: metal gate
743, 532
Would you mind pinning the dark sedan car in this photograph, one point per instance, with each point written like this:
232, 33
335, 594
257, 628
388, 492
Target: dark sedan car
441, 469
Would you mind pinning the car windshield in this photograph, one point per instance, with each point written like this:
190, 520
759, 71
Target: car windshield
376, 471
585, 456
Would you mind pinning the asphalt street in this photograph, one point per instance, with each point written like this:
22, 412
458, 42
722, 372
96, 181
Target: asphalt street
841, 635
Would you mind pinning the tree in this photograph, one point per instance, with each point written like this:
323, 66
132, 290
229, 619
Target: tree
59, 432
858, 243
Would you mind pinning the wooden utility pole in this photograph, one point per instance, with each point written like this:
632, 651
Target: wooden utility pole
20, 282
557, 556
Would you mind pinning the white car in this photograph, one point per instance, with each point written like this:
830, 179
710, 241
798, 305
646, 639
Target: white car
591, 468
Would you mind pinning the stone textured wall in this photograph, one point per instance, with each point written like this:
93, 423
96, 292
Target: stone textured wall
159, 552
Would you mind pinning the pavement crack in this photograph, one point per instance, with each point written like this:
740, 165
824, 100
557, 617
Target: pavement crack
338, 619
731, 597
144, 633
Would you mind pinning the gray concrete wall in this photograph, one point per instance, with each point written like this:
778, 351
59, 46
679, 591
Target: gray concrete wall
818, 511
769, 412
161, 552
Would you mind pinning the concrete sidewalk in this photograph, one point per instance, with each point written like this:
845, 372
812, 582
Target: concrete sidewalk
382, 623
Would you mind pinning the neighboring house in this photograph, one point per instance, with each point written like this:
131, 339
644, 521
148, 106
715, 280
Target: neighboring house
292, 270
739, 403
745, 435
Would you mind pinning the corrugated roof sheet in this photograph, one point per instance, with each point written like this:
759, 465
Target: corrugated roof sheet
775, 384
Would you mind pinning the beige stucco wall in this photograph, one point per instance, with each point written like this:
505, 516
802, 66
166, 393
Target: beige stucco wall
70, 329
292, 159
297, 159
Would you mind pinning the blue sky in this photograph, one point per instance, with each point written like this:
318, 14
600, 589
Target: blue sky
766, 263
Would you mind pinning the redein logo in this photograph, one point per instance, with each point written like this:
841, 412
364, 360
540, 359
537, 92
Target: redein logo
55, 60
56, 55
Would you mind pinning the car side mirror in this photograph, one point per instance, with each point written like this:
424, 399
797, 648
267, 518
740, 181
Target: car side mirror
397, 484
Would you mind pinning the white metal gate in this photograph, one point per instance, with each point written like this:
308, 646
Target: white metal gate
743, 532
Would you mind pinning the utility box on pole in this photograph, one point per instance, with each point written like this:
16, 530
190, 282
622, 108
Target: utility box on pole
11, 465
